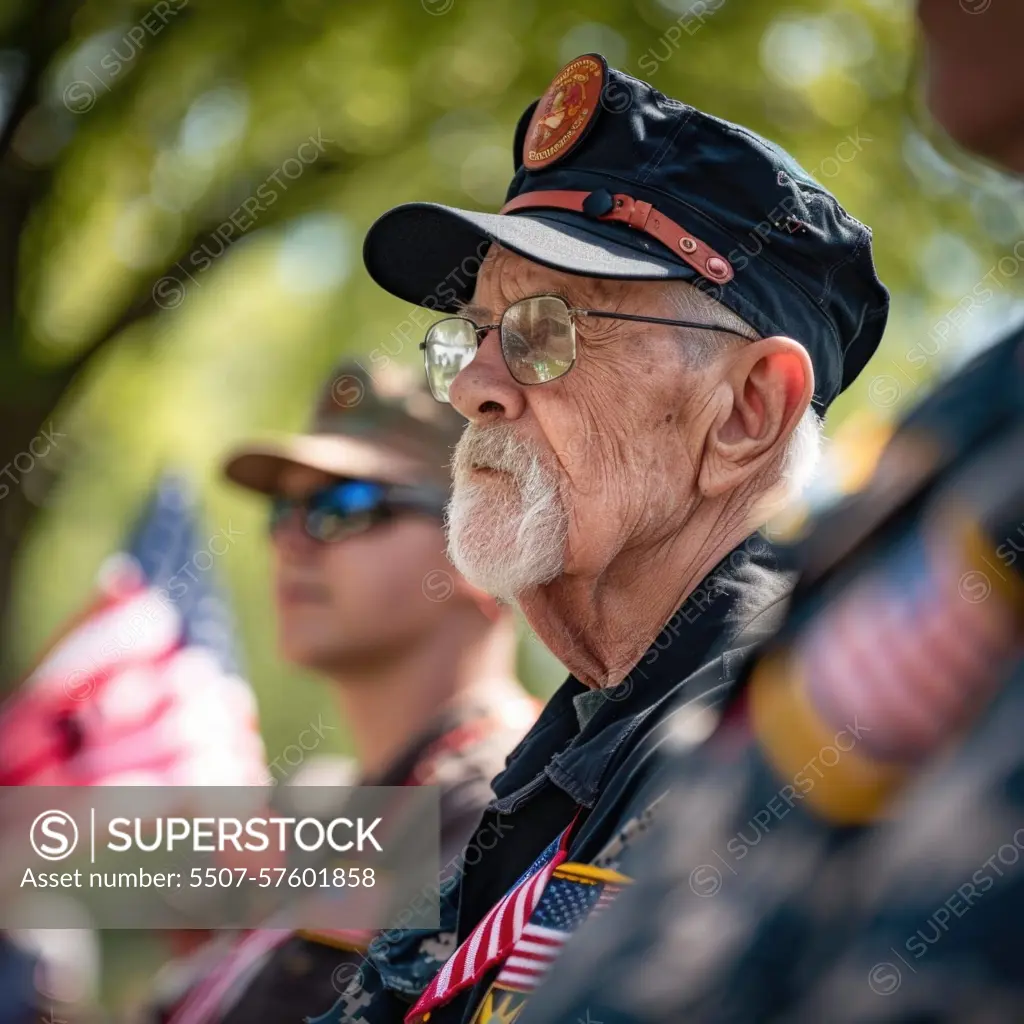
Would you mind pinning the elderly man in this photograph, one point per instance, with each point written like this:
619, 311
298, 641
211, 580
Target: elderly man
794, 875
666, 304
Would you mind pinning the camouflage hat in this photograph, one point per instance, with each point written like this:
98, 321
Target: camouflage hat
385, 427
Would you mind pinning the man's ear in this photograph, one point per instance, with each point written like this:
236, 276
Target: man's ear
767, 386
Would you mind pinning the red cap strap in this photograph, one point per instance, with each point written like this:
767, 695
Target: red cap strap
637, 214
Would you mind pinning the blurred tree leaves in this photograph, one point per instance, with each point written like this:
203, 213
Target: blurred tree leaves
177, 270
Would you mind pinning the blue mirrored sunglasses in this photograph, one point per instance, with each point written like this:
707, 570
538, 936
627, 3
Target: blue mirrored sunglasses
348, 507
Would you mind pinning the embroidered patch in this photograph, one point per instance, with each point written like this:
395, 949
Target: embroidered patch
564, 112
573, 894
493, 938
500, 1006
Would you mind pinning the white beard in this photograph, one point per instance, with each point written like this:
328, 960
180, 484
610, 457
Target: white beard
506, 534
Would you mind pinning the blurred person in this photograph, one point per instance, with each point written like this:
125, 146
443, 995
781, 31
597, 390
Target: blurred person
793, 877
643, 386
422, 662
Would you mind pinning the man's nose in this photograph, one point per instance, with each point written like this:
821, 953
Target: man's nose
484, 390
290, 538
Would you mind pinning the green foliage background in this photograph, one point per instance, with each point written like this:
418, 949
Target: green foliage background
126, 145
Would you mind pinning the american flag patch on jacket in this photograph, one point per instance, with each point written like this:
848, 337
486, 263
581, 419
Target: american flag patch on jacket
574, 893
493, 938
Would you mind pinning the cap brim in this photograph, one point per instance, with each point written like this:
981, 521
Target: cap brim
259, 466
429, 254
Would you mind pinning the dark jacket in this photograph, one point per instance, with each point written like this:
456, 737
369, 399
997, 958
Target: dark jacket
587, 785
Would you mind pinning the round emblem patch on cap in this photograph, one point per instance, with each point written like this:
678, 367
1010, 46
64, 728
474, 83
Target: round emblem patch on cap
564, 112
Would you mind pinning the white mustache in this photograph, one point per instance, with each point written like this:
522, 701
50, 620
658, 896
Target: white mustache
495, 447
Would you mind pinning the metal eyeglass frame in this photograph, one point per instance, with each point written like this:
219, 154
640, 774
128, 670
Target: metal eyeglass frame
482, 330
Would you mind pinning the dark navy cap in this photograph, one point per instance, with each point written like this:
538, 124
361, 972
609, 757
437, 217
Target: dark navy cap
615, 180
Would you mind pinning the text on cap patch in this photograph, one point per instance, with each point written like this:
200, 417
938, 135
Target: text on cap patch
564, 111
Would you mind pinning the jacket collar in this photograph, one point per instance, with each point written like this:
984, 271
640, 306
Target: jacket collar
736, 604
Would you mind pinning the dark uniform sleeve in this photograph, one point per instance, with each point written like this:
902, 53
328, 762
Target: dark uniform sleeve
763, 894
741, 918
936, 934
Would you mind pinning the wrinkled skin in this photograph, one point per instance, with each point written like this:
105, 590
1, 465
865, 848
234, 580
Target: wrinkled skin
662, 462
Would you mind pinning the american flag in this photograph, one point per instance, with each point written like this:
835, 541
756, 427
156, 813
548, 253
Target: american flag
910, 650
143, 686
494, 937
574, 893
